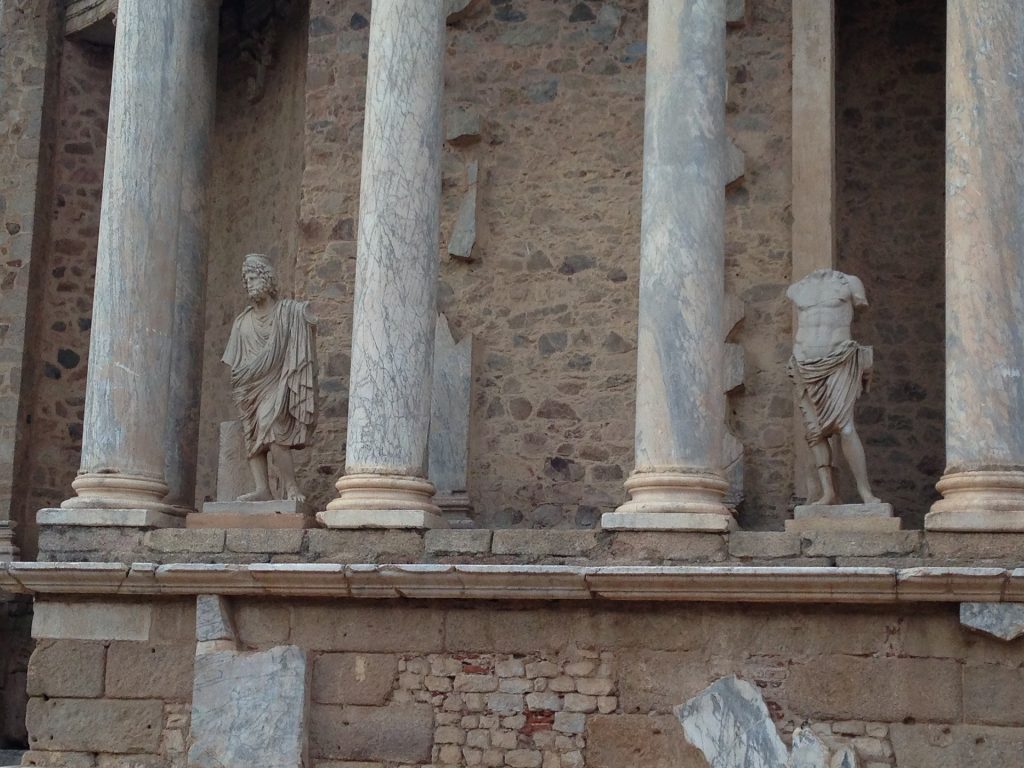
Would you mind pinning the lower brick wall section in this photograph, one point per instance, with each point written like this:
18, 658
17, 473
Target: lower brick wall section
553, 685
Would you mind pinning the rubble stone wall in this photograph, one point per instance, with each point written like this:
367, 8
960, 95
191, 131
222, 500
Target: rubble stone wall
539, 686
890, 143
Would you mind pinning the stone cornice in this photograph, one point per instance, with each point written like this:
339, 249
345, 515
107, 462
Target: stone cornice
522, 582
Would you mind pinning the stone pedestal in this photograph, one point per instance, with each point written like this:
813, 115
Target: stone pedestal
843, 517
280, 513
157, 144
983, 485
677, 483
385, 481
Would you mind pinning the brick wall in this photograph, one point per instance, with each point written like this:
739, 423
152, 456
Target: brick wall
456, 684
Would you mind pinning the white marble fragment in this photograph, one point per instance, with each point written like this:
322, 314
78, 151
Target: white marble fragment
808, 750
1004, 621
460, 244
213, 620
844, 758
730, 724
233, 476
448, 451
250, 709
735, 165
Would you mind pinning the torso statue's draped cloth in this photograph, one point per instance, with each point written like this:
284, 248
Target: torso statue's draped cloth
828, 387
273, 375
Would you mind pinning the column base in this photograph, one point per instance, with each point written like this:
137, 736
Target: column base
118, 491
383, 501
106, 517
989, 501
673, 501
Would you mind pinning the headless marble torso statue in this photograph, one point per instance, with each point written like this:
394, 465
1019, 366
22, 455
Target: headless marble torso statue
830, 371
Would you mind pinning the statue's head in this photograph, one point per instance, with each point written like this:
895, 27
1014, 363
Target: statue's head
258, 277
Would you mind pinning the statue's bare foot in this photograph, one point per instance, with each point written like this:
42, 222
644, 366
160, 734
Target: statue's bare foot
257, 495
868, 498
295, 494
826, 501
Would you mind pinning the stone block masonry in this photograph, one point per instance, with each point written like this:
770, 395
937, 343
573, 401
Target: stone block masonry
545, 686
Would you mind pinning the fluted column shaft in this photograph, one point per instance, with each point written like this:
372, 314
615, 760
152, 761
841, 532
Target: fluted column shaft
677, 482
396, 274
983, 485
157, 152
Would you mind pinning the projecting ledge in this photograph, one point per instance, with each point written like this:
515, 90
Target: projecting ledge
523, 582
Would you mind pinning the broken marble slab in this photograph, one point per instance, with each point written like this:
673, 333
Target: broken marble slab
735, 13
808, 750
462, 126
215, 626
735, 165
730, 724
1004, 621
457, 10
250, 709
233, 475
460, 244
448, 443
844, 758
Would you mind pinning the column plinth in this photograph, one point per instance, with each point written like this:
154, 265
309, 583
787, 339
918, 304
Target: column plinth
677, 482
983, 485
385, 483
157, 145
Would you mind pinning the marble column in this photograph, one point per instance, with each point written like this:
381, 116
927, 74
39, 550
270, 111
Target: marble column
983, 486
156, 155
677, 483
181, 443
385, 481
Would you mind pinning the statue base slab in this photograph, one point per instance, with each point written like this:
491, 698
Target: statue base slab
380, 518
108, 518
843, 517
278, 513
704, 522
457, 510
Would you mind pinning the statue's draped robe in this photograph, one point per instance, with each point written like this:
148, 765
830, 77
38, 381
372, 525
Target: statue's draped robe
828, 387
273, 375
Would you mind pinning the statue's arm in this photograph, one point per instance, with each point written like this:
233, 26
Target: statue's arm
308, 314
860, 298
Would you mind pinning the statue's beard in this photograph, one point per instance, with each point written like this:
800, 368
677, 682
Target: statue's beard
260, 292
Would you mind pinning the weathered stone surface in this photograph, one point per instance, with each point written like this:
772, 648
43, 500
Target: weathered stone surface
972, 547
1004, 621
730, 724
543, 543
365, 546
250, 709
174, 540
49, 759
668, 545
457, 10
763, 544
881, 689
66, 668
263, 623
955, 746
368, 628
91, 621
846, 757
401, 733
354, 678
259, 540
505, 631
993, 694
651, 741
456, 542
860, 544
842, 511
143, 671
95, 725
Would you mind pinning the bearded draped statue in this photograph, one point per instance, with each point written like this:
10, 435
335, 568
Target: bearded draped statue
272, 355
